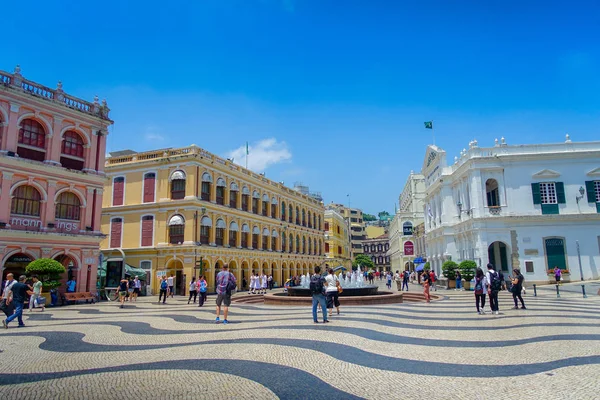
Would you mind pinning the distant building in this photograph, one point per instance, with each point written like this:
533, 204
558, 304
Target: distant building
299, 187
374, 231
354, 217
337, 240
377, 248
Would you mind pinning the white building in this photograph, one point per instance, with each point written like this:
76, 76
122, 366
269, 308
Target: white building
526, 206
408, 216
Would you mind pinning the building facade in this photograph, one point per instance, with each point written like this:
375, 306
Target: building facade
186, 212
408, 216
337, 240
52, 149
354, 219
377, 249
531, 207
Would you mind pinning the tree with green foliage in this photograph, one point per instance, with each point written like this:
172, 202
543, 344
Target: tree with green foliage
364, 261
383, 214
48, 271
369, 217
467, 269
427, 266
449, 269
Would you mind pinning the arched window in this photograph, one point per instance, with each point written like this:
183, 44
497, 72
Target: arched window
315, 221
274, 236
68, 206
147, 230
492, 193
407, 229
283, 210
319, 219
177, 185
303, 245
297, 243
283, 243
387, 246
314, 246
303, 218
309, 246
320, 248
290, 216
26, 201
32, 140
176, 229
255, 235
206, 184
297, 215
149, 185
72, 151
273, 207
255, 200
265, 204
233, 230
220, 232
205, 226
309, 221
233, 195
379, 248
116, 229
245, 198
380, 260
291, 244
265, 239
221, 191
245, 234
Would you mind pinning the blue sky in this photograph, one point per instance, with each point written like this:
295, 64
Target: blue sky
330, 93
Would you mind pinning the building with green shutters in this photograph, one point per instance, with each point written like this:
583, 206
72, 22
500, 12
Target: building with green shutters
531, 207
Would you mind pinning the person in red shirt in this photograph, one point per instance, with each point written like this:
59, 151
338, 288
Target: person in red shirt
432, 280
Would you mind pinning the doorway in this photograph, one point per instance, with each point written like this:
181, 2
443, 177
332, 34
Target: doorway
498, 256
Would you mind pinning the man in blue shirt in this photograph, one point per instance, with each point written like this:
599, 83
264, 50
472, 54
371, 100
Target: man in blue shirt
17, 295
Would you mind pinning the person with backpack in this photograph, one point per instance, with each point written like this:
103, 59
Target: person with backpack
480, 289
123, 290
517, 288
494, 286
458, 280
193, 290
202, 286
226, 285
432, 280
317, 289
164, 287
405, 279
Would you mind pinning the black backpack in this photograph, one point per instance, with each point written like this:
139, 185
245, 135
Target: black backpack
316, 284
496, 281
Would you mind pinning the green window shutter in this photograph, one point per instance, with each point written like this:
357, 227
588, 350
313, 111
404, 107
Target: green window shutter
550, 209
535, 191
598, 207
560, 192
591, 191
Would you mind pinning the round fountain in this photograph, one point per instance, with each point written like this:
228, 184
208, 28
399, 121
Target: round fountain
355, 292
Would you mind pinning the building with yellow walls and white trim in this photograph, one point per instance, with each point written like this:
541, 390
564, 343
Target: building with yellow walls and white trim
186, 212
337, 240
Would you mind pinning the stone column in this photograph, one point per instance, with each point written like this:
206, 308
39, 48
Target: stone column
88, 213
12, 130
238, 237
98, 214
212, 231
5, 198
226, 236
90, 153
53, 147
3, 136
50, 205
101, 154
213, 192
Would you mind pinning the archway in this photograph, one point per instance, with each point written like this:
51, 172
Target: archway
70, 274
233, 268
175, 269
280, 277
255, 268
265, 268
218, 268
15, 265
498, 256
245, 275
409, 266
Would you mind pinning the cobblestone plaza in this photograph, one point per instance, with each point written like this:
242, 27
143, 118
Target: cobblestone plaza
441, 350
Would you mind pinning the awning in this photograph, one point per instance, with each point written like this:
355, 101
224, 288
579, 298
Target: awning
420, 267
340, 267
418, 260
129, 270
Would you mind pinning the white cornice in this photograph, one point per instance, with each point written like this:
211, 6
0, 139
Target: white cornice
546, 174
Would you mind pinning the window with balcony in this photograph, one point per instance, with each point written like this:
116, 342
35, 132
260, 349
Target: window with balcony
72, 151
176, 229
233, 230
68, 206
220, 232
233, 195
26, 200
220, 191
548, 195
492, 193
32, 140
205, 227
206, 186
178, 180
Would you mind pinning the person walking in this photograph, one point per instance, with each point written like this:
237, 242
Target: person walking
458, 280
480, 289
164, 290
37, 293
7, 307
517, 288
123, 289
494, 286
202, 285
17, 294
432, 280
557, 274
264, 283
426, 285
171, 282
405, 279
331, 292
193, 290
137, 288
270, 282
388, 278
130, 289
225, 286
317, 289
398, 279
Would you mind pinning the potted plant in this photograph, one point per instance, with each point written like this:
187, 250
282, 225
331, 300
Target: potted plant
449, 271
467, 269
49, 273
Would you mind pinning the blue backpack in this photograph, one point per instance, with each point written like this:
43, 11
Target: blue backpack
164, 285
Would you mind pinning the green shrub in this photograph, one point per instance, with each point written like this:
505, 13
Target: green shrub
449, 269
48, 271
467, 269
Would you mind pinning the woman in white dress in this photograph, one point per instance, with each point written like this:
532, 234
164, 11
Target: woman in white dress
252, 284
263, 281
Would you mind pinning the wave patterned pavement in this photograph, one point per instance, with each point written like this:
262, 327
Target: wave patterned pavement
441, 350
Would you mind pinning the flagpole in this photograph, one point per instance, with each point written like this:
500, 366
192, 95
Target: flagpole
432, 133
246, 155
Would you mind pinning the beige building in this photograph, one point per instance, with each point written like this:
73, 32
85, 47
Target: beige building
410, 214
354, 218
337, 240
186, 212
373, 231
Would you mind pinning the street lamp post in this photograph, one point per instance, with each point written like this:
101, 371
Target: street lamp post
579, 258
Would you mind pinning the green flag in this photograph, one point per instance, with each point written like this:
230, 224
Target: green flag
428, 125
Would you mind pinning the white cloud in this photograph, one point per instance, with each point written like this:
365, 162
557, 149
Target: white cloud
263, 154
154, 137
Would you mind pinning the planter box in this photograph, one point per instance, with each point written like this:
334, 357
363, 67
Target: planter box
466, 285
451, 283
564, 278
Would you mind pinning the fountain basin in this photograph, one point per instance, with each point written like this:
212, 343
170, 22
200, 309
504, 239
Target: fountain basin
348, 300
367, 290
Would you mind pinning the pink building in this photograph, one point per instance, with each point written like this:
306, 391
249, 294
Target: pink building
52, 149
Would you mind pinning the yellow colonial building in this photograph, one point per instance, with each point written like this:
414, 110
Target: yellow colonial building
337, 240
185, 212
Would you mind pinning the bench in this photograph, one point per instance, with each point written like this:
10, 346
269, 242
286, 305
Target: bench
78, 296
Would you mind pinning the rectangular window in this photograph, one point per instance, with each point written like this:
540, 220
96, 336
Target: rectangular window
220, 195
233, 199
204, 234
118, 191
326, 247
245, 202
176, 234
178, 189
219, 236
116, 226
353, 219
326, 226
548, 193
147, 230
597, 190
264, 208
147, 266
149, 183
232, 238
339, 249
529, 266
205, 195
